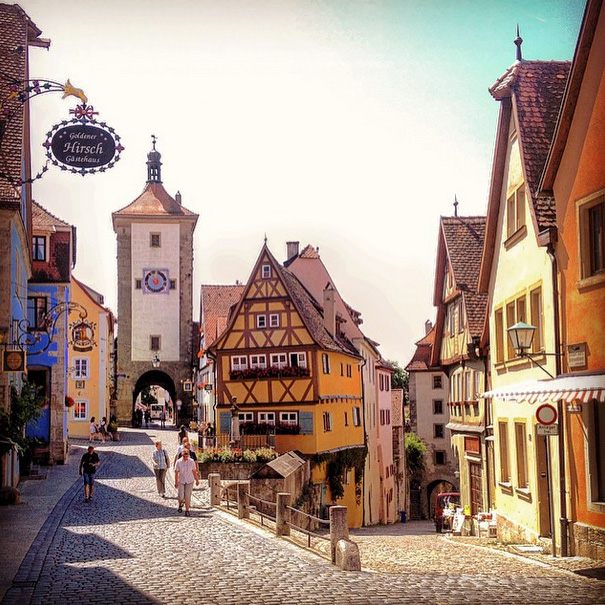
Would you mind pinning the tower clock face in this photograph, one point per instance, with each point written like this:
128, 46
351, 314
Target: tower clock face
155, 281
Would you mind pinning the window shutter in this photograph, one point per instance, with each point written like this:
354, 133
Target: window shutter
225, 422
305, 419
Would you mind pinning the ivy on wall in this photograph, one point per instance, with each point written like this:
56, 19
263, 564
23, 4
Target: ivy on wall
340, 462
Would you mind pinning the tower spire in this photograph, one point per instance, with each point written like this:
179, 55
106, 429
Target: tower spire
518, 41
154, 170
455, 205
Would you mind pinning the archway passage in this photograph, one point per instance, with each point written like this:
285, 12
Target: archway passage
153, 378
433, 489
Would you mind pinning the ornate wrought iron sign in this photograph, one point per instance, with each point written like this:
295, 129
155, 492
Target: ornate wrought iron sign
81, 145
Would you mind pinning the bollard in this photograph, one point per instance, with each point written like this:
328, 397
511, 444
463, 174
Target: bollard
214, 483
347, 556
243, 501
339, 527
282, 515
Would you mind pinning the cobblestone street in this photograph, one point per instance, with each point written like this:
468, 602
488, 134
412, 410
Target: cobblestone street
131, 546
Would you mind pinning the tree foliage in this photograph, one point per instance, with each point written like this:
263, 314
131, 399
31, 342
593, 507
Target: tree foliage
400, 379
415, 450
26, 406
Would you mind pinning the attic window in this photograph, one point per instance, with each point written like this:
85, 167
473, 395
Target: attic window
265, 272
515, 211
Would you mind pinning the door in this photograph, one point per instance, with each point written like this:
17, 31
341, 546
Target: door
476, 484
543, 485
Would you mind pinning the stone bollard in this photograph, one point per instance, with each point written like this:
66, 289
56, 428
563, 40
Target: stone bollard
282, 515
347, 556
243, 500
214, 483
339, 527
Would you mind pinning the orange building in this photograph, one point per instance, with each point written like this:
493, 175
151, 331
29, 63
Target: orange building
575, 176
285, 364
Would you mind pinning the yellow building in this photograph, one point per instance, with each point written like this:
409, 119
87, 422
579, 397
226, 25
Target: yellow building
517, 273
91, 346
288, 368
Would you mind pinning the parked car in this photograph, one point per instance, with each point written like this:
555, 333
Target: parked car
155, 410
445, 507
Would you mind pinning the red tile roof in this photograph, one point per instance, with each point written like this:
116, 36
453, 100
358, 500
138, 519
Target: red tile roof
421, 360
537, 89
155, 200
43, 219
464, 238
216, 304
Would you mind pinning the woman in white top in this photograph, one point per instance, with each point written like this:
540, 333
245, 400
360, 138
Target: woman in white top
184, 474
93, 429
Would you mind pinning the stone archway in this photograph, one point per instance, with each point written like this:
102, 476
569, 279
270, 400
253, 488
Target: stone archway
153, 378
433, 489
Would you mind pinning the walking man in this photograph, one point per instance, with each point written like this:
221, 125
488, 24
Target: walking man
184, 474
160, 467
163, 418
88, 466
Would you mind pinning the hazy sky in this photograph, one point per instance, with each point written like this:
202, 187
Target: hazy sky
348, 125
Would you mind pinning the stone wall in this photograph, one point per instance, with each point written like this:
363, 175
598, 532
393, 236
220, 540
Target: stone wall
587, 541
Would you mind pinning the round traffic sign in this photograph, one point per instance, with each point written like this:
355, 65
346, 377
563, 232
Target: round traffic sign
546, 414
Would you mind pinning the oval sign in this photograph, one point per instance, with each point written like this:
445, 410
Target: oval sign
83, 146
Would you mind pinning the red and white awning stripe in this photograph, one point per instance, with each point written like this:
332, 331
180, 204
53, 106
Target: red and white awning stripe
580, 388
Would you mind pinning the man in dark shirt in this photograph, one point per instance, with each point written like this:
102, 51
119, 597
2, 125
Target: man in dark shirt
88, 466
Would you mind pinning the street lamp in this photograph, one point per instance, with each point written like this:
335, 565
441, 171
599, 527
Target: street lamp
521, 336
155, 361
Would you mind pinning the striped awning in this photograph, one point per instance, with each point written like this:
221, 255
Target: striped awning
580, 388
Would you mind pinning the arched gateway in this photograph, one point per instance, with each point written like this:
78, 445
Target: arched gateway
155, 294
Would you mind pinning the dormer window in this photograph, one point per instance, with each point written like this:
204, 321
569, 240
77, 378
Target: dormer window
39, 247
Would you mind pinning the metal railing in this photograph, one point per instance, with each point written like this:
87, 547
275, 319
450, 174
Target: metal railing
285, 517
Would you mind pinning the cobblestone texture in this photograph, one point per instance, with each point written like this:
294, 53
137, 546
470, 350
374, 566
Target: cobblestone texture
131, 546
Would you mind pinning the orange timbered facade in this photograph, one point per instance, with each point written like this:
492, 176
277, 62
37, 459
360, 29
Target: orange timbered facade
289, 371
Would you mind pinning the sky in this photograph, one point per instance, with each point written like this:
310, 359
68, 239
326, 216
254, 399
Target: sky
348, 125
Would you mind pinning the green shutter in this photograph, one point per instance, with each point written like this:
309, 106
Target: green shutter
305, 419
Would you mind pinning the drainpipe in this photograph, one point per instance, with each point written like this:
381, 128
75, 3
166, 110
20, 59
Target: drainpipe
562, 483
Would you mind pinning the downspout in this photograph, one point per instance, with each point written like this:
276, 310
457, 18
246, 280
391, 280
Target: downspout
550, 249
365, 437
487, 416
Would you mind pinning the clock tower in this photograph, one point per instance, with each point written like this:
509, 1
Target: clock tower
155, 294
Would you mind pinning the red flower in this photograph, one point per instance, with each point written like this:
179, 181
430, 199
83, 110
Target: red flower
69, 401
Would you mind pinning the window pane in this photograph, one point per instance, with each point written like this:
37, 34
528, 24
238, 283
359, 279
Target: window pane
597, 243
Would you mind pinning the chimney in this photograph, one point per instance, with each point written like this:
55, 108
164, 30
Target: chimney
292, 249
428, 326
177, 197
329, 310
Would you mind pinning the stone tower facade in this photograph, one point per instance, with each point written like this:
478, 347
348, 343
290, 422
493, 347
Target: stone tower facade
155, 295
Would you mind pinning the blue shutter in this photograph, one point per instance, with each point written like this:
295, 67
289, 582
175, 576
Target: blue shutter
225, 424
305, 419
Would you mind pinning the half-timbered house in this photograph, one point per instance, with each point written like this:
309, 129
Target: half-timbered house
282, 366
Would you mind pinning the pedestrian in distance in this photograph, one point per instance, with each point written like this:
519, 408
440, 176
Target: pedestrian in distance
93, 429
182, 433
88, 466
163, 418
103, 429
189, 447
147, 418
185, 473
160, 467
